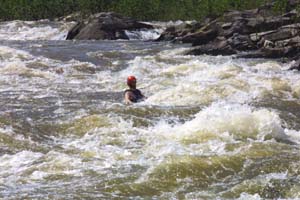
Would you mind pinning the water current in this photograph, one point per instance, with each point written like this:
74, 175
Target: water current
210, 128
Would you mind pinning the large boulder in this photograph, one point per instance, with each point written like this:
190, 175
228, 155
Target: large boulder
105, 26
219, 46
199, 38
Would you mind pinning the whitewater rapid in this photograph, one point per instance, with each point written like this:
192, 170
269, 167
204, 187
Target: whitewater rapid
212, 127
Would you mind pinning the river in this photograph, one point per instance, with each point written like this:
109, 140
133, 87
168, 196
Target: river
210, 128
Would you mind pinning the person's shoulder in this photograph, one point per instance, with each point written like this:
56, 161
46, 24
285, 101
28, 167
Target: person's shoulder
138, 90
128, 90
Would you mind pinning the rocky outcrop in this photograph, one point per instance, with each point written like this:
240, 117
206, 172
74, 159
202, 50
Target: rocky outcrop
179, 30
251, 33
105, 26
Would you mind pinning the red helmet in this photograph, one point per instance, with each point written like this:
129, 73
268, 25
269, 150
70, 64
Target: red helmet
131, 79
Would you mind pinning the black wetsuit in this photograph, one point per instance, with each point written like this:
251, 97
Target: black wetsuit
137, 95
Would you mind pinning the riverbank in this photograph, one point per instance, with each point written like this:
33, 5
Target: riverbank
257, 33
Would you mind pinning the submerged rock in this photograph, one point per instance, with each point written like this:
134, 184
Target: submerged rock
105, 26
296, 64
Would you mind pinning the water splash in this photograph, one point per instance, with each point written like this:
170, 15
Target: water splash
34, 30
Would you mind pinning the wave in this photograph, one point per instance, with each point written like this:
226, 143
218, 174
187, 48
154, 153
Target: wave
144, 34
34, 30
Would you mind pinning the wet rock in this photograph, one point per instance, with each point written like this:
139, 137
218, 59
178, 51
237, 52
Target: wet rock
59, 71
241, 42
255, 37
200, 38
281, 34
180, 31
260, 31
105, 26
296, 65
219, 47
75, 31
295, 41
250, 54
276, 52
260, 24
236, 27
169, 34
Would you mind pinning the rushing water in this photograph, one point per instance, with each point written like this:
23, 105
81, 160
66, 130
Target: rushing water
211, 127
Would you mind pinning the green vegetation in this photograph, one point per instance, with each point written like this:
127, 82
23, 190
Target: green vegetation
139, 9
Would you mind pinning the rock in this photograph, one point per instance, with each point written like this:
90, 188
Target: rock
200, 38
250, 54
232, 16
75, 30
218, 47
281, 34
261, 33
293, 26
105, 26
74, 17
291, 14
236, 27
235, 15
276, 52
59, 71
168, 35
226, 26
260, 24
295, 65
179, 31
241, 42
255, 37
295, 41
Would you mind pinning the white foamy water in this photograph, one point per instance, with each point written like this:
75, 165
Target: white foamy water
34, 30
210, 128
144, 34
187, 80
159, 27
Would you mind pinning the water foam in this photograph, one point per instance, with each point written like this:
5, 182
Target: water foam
144, 34
239, 121
221, 89
11, 54
34, 30
212, 129
14, 166
171, 78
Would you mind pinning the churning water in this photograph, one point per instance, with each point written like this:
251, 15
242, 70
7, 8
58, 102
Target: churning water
211, 127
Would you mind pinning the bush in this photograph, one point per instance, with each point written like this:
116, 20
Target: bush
139, 9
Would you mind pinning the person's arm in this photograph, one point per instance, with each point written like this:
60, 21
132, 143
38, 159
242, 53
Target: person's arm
128, 97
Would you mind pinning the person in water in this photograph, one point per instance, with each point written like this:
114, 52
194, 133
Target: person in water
132, 95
